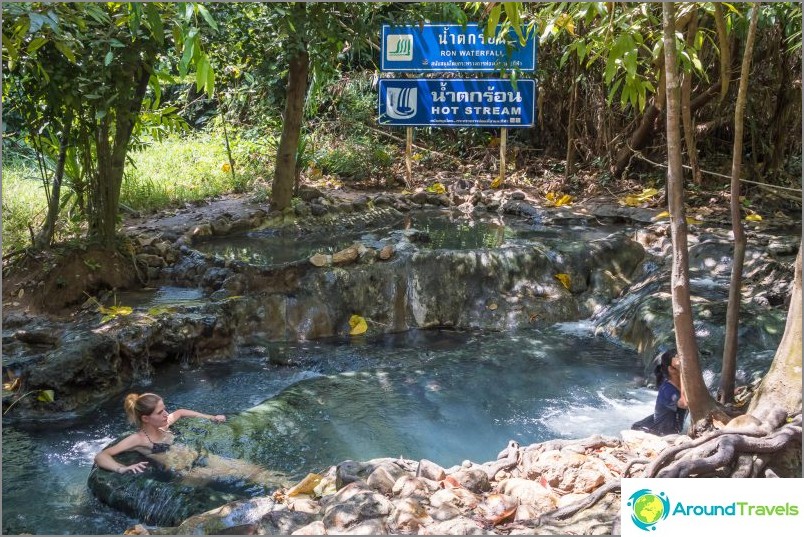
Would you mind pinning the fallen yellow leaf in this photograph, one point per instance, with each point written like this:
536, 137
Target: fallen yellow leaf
226, 167
753, 218
496, 183
566, 199
358, 325
436, 188
693, 221
306, 485
663, 214
564, 279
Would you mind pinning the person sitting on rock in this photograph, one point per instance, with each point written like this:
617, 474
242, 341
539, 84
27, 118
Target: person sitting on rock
671, 404
157, 443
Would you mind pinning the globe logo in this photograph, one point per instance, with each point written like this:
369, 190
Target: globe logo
648, 508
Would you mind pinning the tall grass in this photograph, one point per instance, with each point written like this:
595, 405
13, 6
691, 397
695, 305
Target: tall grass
182, 169
24, 203
164, 174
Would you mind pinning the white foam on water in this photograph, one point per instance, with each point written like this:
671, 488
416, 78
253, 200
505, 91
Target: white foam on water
609, 418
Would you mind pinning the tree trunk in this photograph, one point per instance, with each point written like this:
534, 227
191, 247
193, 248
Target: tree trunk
111, 157
781, 387
45, 236
285, 172
648, 125
729, 368
699, 399
285, 169
569, 169
686, 112
643, 134
725, 52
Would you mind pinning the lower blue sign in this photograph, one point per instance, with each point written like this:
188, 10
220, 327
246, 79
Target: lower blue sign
487, 102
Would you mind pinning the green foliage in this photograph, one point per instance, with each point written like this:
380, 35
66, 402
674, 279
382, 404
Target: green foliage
79, 72
356, 158
179, 170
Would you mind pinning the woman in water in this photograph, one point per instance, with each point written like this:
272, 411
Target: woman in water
671, 403
154, 440
148, 413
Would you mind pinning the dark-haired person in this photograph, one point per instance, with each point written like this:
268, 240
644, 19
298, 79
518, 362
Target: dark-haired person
671, 404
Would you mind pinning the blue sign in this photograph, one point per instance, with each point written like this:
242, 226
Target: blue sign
439, 102
451, 47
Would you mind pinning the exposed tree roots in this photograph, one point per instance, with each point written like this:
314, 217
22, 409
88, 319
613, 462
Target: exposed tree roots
730, 452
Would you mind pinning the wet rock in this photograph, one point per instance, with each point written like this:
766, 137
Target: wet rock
386, 252
345, 256
321, 260
420, 197
308, 193
316, 209
38, 336
221, 226
151, 260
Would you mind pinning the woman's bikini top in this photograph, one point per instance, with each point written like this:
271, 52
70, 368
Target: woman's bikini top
157, 447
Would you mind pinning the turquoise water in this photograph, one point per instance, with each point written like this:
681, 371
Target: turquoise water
445, 396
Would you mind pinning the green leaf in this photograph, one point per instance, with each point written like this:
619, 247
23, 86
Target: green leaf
46, 396
512, 12
201, 67
34, 45
155, 22
494, 19
36, 22
64, 49
207, 17
108, 59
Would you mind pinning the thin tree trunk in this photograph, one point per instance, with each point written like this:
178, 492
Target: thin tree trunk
285, 172
699, 399
45, 236
725, 51
729, 368
569, 169
686, 113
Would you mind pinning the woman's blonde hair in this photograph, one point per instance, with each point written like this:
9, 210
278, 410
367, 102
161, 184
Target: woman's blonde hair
137, 406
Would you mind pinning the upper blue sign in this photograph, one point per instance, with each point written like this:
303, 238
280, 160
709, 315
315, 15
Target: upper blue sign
451, 47
455, 102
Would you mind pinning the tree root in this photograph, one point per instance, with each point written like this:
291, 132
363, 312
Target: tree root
585, 503
739, 451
